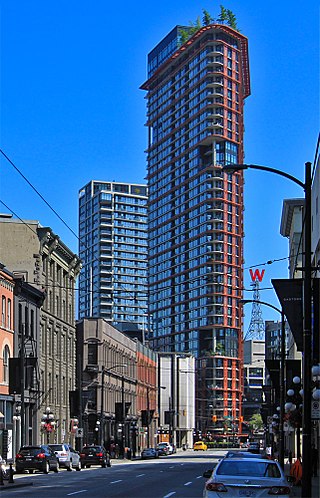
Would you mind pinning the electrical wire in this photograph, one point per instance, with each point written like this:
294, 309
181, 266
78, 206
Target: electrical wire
38, 193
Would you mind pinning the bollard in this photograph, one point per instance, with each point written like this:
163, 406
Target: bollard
11, 474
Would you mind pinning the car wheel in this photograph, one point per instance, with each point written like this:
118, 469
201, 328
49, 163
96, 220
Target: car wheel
31, 471
46, 468
78, 467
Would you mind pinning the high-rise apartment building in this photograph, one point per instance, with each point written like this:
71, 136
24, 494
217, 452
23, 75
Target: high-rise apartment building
195, 99
113, 248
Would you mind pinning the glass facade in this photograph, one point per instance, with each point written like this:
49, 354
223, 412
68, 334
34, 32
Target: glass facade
195, 119
113, 248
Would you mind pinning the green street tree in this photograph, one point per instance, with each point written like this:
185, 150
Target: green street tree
256, 422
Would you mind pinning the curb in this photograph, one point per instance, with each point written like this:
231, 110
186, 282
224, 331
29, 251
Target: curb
15, 486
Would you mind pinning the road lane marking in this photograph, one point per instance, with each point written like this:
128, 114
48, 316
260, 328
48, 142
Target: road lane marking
170, 494
140, 475
199, 477
115, 482
77, 492
172, 467
188, 483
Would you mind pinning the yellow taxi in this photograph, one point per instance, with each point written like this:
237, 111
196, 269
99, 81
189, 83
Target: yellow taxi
200, 446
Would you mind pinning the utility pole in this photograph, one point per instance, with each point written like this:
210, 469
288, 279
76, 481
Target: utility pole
123, 406
102, 407
148, 417
22, 384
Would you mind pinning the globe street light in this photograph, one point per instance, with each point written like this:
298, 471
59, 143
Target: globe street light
48, 423
282, 362
307, 311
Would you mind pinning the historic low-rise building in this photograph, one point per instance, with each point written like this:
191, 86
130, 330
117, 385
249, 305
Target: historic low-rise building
38, 255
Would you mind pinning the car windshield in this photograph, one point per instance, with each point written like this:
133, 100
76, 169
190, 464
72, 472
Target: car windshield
56, 447
251, 468
162, 445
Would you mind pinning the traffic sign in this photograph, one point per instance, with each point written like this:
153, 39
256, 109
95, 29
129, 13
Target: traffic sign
315, 410
79, 432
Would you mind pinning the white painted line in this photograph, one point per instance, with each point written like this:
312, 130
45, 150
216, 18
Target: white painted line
188, 483
115, 482
140, 475
199, 477
172, 467
170, 494
77, 492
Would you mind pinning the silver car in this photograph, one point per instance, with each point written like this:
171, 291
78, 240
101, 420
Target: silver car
149, 453
67, 456
250, 477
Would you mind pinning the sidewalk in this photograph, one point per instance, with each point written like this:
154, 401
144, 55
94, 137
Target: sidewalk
296, 490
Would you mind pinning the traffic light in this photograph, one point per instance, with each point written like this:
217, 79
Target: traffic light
214, 418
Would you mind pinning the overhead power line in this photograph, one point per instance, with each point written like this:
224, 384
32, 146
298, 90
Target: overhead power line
38, 193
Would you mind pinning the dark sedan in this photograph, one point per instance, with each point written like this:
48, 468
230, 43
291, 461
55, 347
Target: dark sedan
94, 455
37, 457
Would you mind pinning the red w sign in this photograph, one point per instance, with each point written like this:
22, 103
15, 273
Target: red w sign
256, 275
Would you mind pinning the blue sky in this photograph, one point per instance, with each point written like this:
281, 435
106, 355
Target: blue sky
72, 110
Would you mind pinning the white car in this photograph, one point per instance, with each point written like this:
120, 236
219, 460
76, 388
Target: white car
165, 449
67, 456
250, 477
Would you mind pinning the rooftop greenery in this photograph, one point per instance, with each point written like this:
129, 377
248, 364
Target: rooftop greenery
226, 16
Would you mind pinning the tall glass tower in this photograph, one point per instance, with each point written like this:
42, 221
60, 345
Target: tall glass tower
113, 249
195, 100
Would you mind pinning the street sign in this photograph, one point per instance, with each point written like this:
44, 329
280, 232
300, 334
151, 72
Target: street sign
79, 432
315, 410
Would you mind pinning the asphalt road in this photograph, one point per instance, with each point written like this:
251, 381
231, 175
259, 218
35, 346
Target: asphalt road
177, 476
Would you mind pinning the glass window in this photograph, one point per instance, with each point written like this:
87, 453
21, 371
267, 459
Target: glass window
6, 356
3, 312
9, 314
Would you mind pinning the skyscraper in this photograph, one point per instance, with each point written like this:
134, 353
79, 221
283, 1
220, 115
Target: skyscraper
195, 99
113, 248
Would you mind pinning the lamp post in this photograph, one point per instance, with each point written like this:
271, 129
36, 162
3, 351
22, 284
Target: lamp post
307, 310
48, 423
282, 365
293, 407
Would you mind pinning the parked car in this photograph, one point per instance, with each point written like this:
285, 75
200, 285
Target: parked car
37, 457
246, 477
149, 453
94, 455
200, 446
254, 447
164, 449
67, 456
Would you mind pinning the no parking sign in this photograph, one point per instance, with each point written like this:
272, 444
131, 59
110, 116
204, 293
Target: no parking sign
315, 410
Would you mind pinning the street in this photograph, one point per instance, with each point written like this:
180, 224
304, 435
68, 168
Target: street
178, 475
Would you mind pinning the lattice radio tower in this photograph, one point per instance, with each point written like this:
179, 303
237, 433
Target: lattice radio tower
256, 327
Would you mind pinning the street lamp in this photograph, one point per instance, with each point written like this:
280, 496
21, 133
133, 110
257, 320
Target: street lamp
282, 362
307, 309
48, 423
